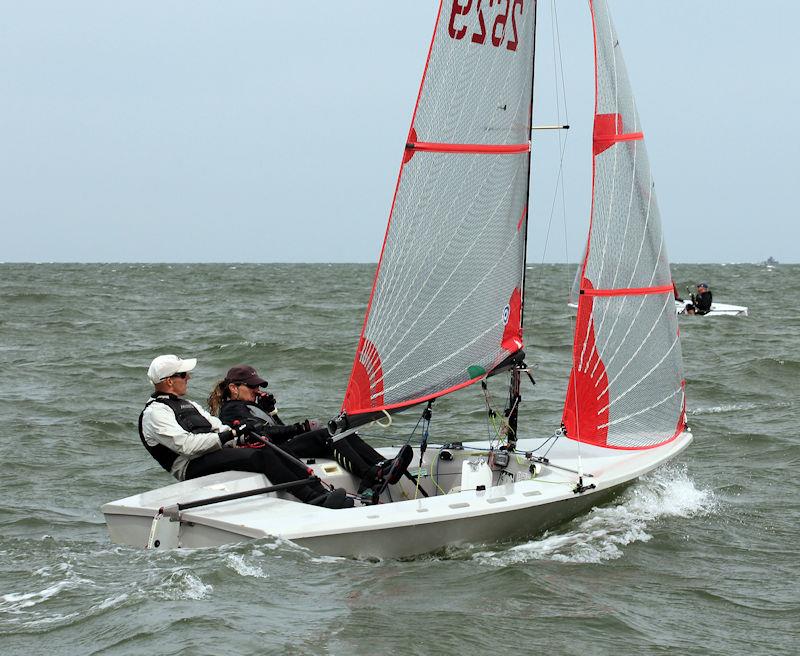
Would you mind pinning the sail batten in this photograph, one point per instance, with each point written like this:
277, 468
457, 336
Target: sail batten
628, 291
626, 385
447, 294
468, 148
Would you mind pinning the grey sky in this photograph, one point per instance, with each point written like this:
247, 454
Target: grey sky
273, 131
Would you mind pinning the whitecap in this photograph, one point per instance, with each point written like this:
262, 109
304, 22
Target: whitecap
112, 602
182, 584
14, 602
238, 564
327, 559
57, 618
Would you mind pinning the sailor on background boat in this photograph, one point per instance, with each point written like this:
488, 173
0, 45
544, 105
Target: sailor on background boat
237, 398
701, 302
188, 442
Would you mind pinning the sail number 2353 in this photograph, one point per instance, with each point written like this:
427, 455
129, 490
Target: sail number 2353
502, 30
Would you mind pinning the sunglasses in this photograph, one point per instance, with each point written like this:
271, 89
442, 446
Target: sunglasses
182, 374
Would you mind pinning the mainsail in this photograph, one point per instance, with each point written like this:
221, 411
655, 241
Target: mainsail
626, 384
446, 302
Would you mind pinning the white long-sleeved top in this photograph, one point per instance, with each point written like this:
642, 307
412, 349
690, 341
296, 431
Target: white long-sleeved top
159, 426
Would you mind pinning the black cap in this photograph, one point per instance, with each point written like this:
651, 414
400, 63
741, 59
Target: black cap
245, 374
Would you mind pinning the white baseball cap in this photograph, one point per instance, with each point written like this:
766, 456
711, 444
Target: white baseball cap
165, 366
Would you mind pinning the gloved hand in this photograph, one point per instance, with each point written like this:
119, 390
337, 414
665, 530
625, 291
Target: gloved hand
266, 402
310, 425
246, 432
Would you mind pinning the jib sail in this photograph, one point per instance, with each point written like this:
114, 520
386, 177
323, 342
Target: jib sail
626, 384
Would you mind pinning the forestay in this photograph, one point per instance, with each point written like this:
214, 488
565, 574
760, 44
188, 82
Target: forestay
446, 303
626, 384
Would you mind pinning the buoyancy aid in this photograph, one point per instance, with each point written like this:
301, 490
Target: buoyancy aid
188, 418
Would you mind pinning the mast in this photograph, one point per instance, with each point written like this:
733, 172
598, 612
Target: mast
514, 396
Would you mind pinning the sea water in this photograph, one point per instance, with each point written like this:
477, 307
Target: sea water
699, 557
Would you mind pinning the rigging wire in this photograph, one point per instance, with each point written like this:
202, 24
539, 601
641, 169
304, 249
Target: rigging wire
557, 39
559, 94
558, 73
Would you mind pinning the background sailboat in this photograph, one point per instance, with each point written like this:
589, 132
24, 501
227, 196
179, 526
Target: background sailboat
446, 311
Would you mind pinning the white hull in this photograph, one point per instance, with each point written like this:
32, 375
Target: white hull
717, 309
407, 526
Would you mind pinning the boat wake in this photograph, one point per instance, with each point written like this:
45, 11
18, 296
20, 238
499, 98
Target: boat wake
725, 407
602, 535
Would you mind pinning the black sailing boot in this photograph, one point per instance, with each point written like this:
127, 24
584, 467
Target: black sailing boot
335, 499
388, 472
316, 495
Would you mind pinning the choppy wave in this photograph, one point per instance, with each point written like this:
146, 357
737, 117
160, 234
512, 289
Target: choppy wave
243, 567
75, 383
183, 584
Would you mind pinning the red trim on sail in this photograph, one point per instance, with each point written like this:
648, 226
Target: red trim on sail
608, 130
682, 418
366, 381
522, 217
512, 334
627, 291
481, 149
584, 411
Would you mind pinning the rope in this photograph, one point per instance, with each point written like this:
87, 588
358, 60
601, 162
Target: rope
426, 424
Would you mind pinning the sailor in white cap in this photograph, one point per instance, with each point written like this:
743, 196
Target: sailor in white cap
188, 442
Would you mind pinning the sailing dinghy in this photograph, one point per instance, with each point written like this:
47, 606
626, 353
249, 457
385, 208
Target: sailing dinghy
446, 312
717, 310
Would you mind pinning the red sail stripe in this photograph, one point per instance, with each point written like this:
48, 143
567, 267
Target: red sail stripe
492, 149
608, 130
628, 291
630, 136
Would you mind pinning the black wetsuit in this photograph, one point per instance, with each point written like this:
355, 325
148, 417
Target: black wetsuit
702, 302
260, 461
351, 452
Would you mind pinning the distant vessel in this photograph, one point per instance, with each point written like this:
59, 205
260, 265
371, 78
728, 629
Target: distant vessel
446, 312
770, 262
717, 310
